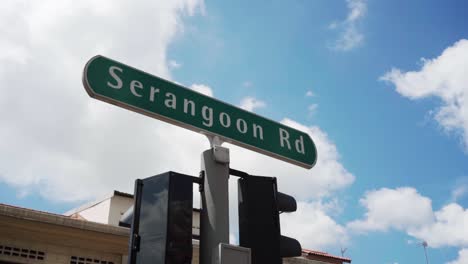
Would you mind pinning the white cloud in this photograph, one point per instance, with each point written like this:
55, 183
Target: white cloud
400, 208
349, 39
312, 109
459, 191
357, 10
312, 227
445, 78
203, 89
247, 84
174, 64
414, 242
350, 36
55, 140
250, 104
406, 210
334, 25
310, 94
447, 229
462, 257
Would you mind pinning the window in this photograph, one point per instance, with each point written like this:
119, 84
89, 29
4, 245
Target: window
13, 251
88, 260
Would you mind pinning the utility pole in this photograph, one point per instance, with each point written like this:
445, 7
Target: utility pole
424, 244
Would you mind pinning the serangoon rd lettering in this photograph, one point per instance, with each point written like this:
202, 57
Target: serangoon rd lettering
135, 90
189, 107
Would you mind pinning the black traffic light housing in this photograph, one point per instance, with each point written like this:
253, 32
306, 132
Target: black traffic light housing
259, 225
161, 220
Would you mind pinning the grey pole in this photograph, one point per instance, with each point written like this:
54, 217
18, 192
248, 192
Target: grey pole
424, 244
214, 217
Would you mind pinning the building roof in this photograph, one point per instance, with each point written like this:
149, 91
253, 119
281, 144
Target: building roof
67, 220
123, 194
309, 252
98, 201
57, 219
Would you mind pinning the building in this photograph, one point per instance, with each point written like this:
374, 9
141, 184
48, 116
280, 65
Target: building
35, 237
88, 234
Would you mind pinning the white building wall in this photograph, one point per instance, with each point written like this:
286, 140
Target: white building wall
54, 253
98, 213
118, 206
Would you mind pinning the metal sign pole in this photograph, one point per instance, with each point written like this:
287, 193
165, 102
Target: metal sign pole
214, 217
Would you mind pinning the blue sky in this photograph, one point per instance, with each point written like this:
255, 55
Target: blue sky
381, 86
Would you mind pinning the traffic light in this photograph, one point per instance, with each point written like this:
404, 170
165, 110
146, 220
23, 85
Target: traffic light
259, 225
161, 220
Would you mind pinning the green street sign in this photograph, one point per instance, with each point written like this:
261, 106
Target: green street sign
116, 83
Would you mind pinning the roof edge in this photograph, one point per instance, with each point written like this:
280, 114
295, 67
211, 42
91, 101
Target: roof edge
60, 220
97, 201
325, 254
